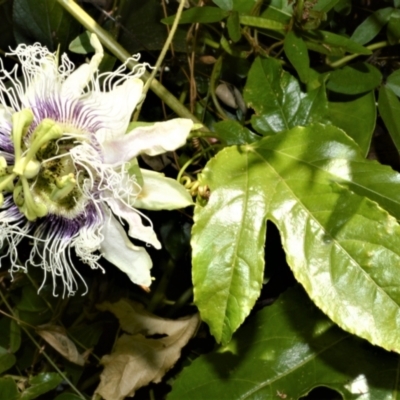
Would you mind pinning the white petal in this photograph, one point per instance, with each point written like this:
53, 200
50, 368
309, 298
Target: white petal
161, 193
5, 115
118, 250
73, 86
136, 228
116, 107
152, 140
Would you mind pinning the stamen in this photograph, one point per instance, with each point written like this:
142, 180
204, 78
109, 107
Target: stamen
21, 122
31, 209
47, 130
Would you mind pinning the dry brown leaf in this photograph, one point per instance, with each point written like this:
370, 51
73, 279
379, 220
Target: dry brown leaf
133, 318
57, 338
138, 360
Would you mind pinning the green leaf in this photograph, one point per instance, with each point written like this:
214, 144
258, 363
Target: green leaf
389, 109
224, 4
393, 28
6, 30
41, 383
260, 22
393, 82
277, 100
7, 360
369, 28
227, 265
81, 44
203, 15
325, 5
9, 389
44, 21
275, 14
297, 53
342, 247
31, 301
331, 42
143, 29
356, 116
354, 79
233, 26
284, 351
232, 133
243, 6
15, 336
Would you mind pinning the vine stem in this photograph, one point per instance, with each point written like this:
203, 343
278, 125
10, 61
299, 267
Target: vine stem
72, 386
115, 48
344, 60
165, 47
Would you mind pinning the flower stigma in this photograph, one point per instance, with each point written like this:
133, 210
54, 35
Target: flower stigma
66, 176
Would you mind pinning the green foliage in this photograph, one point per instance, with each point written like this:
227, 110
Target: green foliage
285, 351
312, 94
40, 384
278, 101
356, 115
389, 109
48, 23
319, 219
354, 79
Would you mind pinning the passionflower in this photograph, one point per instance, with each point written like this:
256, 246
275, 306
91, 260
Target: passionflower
68, 176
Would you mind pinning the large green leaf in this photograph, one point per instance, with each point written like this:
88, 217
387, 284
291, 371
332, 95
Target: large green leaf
283, 352
356, 115
277, 100
342, 247
48, 23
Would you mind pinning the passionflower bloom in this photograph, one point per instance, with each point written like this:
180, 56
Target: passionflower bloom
68, 176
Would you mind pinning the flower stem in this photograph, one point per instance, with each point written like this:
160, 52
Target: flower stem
115, 48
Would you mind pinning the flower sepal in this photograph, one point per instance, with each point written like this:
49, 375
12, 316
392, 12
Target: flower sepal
161, 193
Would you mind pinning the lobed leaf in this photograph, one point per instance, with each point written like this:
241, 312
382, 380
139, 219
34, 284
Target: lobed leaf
342, 247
